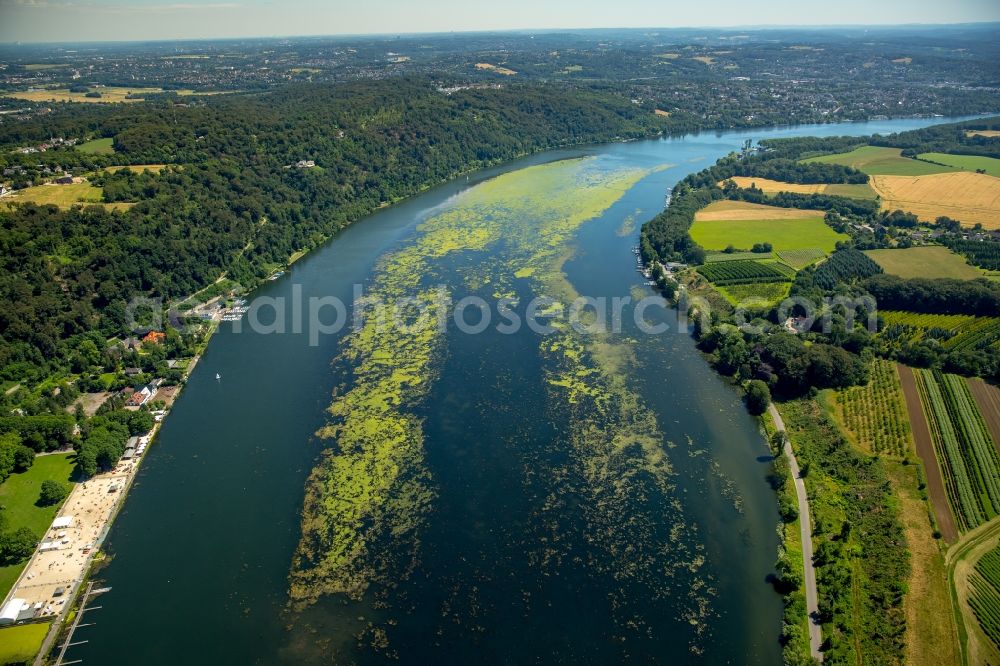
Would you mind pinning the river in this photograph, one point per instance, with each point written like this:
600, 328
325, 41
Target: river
517, 557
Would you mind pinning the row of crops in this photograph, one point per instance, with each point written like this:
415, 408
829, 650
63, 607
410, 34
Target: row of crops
985, 254
925, 321
845, 266
984, 331
984, 595
954, 332
875, 414
743, 272
799, 259
967, 454
736, 256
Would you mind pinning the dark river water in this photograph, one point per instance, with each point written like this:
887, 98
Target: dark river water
202, 550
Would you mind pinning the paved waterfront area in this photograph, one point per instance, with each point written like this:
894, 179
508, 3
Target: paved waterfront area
92, 506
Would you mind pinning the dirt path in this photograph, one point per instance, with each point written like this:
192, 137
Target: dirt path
925, 449
960, 560
988, 399
805, 529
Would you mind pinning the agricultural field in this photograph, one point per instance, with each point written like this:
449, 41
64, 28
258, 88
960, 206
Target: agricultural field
931, 261
494, 68
984, 597
875, 414
983, 331
852, 191
920, 321
741, 225
990, 165
970, 198
967, 454
769, 292
727, 209
137, 168
64, 196
799, 259
988, 398
109, 94
713, 257
725, 273
97, 146
986, 133
878, 161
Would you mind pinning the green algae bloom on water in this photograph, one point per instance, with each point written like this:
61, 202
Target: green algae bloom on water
368, 500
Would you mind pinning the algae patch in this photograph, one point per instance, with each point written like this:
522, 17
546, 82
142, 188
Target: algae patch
372, 493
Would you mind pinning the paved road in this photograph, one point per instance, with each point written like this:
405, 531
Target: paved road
805, 529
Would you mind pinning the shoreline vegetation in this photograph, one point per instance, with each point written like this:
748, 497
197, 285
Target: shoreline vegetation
851, 427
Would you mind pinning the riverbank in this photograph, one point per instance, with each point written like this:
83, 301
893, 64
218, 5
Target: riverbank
59, 568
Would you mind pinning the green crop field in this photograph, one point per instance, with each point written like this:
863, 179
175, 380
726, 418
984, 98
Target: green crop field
877, 161
924, 320
850, 190
97, 146
799, 259
770, 293
18, 495
795, 234
965, 162
20, 644
952, 332
713, 257
968, 457
741, 272
932, 261
875, 414
985, 594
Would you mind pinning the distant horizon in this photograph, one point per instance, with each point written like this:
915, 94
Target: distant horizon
124, 21
521, 31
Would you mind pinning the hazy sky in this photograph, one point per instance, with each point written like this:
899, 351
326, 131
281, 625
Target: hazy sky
80, 20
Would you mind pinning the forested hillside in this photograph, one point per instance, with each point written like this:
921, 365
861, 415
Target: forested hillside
227, 202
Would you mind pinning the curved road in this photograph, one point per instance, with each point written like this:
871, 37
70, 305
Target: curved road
805, 529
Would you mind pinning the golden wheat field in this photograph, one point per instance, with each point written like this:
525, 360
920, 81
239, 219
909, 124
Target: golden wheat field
771, 186
768, 186
742, 210
963, 196
986, 133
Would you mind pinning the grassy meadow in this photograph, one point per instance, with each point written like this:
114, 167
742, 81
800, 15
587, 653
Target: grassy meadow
18, 495
965, 162
933, 261
97, 146
878, 161
64, 196
20, 644
783, 234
